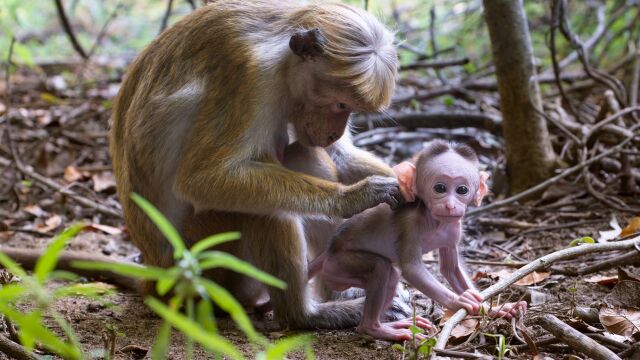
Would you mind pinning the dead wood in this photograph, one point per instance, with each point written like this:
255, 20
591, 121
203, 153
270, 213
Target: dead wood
575, 339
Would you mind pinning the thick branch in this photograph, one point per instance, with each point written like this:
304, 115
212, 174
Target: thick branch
575, 339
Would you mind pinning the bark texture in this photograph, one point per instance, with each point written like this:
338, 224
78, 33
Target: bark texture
530, 157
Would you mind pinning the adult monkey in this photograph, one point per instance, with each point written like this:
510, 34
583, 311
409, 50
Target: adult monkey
204, 115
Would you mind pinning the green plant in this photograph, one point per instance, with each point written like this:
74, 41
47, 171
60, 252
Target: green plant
501, 345
32, 292
191, 296
418, 348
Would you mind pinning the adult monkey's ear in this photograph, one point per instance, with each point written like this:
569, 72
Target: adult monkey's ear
406, 174
307, 43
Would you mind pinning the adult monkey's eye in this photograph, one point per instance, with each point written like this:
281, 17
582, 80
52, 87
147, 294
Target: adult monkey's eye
462, 190
342, 106
440, 188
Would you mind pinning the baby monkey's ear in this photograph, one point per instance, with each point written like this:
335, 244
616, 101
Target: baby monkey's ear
483, 188
307, 44
406, 173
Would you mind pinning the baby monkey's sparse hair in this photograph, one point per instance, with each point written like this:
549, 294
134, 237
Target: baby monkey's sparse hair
437, 147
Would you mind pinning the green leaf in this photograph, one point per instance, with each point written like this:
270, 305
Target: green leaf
130, 270
93, 291
214, 259
212, 342
163, 224
11, 292
212, 241
32, 330
228, 303
283, 347
582, 240
49, 258
399, 347
166, 283
416, 330
160, 345
427, 346
204, 316
448, 100
12, 266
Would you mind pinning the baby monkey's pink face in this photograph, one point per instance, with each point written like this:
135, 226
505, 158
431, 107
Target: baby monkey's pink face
447, 183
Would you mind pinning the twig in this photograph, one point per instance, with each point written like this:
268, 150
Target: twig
103, 30
436, 119
539, 263
462, 355
64, 20
555, 18
560, 176
14, 350
435, 64
575, 339
167, 14
34, 175
623, 260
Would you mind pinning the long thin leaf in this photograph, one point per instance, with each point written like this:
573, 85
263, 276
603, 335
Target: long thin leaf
228, 303
212, 342
212, 241
163, 224
213, 259
160, 345
11, 292
12, 266
49, 258
130, 270
281, 348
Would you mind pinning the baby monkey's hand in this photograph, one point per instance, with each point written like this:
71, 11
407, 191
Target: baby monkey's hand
470, 300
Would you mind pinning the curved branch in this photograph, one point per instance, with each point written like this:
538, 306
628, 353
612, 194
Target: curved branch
537, 264
64, 20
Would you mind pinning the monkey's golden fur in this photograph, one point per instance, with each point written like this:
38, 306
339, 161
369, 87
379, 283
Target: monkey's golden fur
204, 112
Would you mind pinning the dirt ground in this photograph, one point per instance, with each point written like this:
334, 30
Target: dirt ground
63, 136
136, 325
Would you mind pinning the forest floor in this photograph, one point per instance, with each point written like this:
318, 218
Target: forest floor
63, 136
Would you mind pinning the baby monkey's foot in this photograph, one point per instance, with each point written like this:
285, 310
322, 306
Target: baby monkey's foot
397, 330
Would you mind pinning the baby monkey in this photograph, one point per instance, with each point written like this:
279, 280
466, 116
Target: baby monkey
368, 247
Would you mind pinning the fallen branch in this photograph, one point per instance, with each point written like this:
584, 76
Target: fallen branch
575, 339
435, 64
439, 119
535, 265
14, 350
563, 174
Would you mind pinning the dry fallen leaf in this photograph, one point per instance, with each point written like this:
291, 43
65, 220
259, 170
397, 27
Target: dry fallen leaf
533, 278
603, 280
34, 210
605, 236
620, 321
105, 229
50, 224
104, 181
72, 174
632, 228
465, 328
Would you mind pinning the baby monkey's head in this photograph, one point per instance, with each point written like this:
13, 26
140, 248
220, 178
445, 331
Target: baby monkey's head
446, 177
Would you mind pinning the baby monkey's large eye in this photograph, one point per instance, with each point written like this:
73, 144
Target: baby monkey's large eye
462, 190
440, 188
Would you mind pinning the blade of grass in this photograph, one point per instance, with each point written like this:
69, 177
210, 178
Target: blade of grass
212, 342
163, 224
131, 270
49, 258
212, 241
213, 259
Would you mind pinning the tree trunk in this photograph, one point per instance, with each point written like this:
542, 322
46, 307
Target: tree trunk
530, 157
